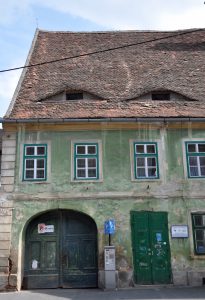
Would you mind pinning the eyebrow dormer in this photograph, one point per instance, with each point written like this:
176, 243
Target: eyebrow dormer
71, 95
161, 95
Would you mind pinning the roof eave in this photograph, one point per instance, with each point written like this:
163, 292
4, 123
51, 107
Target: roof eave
97, 120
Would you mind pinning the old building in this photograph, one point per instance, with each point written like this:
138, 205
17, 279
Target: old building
105, 125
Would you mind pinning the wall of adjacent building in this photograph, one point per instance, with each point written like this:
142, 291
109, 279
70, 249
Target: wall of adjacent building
8, 157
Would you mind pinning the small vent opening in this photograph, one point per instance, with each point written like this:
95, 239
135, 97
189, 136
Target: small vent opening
160, 96
203, 281
74, 96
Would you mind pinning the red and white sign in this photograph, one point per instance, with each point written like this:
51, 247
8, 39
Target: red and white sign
43, 228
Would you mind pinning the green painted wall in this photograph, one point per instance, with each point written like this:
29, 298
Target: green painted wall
117, 194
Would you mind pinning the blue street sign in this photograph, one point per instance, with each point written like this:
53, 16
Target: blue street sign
109, 227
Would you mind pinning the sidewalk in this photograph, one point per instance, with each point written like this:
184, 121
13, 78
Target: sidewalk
97, 294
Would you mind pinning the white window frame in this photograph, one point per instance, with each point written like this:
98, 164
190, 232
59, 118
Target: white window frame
35, 158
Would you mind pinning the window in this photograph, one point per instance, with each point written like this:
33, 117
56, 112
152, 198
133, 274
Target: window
195, 152
74, 96
146, 160
198, 222
86, 161
35, 159
161, 96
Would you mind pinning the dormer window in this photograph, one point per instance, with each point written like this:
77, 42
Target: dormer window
161, 96
74, 96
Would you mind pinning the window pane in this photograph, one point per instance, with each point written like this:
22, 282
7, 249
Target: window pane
92, 173
92, 149
151, 149
40, 174
161, 96
41, 150
202, 160
29, 174
194, 171
29, 163
80, 149
139, 148
193, 161
40, 163
199, 234
202, 171
29, 150
151, 161
200, 247
191, 148
141, 172
92, 162
140, 161
152, 172
81, 162
201, 147
81, 173
198, 220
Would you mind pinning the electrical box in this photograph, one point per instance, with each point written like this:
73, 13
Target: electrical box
109, 258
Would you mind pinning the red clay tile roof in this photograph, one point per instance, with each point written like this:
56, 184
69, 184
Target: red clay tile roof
174, 63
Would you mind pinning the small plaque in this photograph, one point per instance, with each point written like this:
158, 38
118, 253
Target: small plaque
43, 228
34, 264
179, 231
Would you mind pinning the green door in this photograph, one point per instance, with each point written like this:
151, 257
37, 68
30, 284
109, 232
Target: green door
150, 245
61, 251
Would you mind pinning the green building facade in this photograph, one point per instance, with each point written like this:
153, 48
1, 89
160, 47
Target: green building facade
74, 157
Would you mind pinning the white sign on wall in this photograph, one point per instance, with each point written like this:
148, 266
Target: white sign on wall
179, 231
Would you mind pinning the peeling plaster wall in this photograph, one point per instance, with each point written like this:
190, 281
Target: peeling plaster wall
115, 195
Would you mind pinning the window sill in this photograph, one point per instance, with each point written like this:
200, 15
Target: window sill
146, 180
34, 182
199, 257
194, 178
86, 180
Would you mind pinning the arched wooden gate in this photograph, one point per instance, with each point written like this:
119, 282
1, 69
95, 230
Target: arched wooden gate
61, 251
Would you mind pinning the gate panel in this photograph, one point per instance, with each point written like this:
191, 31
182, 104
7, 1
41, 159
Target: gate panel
41, 253
141, 247
161, 269
79, 251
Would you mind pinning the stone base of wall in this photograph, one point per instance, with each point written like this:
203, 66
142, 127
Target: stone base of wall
3, 282
8, 283
180, 278
196, 278
123, 279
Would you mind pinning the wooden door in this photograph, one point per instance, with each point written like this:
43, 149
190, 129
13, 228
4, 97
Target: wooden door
150, 245
79, 247
61, 251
